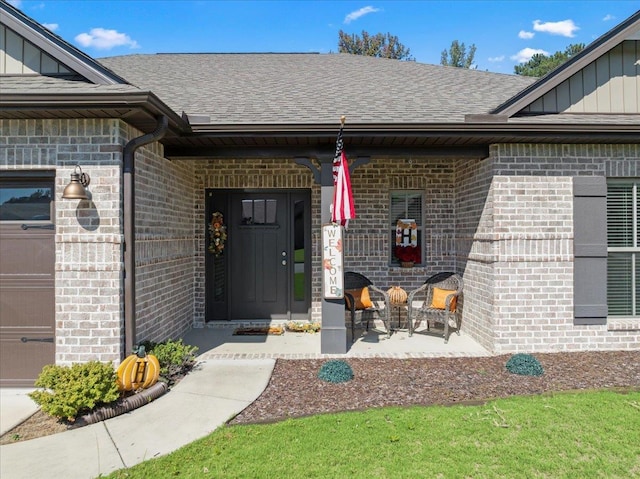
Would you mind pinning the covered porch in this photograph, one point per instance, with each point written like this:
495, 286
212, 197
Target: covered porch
217, 341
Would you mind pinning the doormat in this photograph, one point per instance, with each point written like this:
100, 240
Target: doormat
273, 330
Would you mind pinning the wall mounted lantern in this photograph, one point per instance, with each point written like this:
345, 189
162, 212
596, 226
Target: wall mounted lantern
75, 190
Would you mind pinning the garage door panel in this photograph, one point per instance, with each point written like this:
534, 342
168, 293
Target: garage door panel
26, 307
22, 356
29, 254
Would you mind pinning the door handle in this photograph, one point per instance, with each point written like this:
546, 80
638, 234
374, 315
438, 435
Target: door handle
39, 227
24, 339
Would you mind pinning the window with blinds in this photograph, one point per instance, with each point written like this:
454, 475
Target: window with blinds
623, 246
404, 205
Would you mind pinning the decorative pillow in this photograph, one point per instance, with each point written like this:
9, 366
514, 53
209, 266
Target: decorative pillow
360, 296
439, 300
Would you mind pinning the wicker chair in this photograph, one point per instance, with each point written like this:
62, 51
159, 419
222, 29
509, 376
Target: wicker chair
442, 307
363, 313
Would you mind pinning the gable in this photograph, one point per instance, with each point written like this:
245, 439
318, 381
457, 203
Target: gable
601, 79
610, 84
18, 56
29, 48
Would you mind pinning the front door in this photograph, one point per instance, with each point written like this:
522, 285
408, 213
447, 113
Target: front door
260, 255
266, 259
27, 278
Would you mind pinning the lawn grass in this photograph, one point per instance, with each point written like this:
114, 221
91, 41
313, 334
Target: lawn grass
569, 435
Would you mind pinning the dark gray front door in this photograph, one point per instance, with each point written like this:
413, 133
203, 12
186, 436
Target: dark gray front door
264, 271
260, 256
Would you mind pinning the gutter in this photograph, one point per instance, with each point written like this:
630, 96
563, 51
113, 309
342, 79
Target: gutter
129, 229
470, 126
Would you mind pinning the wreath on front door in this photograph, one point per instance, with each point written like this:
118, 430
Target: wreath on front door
217, 234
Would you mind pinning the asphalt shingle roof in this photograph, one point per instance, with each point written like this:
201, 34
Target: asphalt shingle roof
42, 85
236, 89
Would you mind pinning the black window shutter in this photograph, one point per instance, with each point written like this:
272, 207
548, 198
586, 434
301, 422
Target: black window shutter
590, 250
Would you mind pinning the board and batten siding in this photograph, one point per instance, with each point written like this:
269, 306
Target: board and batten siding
610, 84
19, 56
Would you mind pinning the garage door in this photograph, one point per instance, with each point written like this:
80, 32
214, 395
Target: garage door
27, 270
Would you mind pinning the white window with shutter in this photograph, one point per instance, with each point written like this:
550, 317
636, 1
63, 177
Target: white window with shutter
405, 204
623, 248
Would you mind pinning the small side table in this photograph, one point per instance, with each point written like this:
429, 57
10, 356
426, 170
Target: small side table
398, 301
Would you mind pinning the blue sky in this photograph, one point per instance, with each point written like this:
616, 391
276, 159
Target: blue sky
505, 32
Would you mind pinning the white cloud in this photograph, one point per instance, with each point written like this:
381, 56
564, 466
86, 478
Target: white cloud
608, 17
496, 59
359, 13
15, 3
525, 54
525, 35
565, 28
51, 26
104, 39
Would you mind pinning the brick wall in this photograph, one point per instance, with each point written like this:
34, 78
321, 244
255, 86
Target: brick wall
521, 252
165, 245
533, 266
505, 222
89, 234
475, 248
88, 239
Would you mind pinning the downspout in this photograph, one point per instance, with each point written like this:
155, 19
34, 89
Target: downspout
129, 219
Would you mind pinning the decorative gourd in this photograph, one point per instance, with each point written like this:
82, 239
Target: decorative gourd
397, 295
139, 370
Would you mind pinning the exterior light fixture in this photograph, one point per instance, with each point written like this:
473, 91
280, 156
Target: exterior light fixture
75, 190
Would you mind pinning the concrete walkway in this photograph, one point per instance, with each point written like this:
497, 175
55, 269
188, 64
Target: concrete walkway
232, 372
213, 393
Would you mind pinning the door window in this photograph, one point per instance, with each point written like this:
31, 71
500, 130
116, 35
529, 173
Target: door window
259, 212
25, 202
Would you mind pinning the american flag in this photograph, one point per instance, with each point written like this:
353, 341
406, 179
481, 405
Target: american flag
343, 209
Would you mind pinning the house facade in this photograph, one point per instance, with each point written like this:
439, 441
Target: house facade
529, 189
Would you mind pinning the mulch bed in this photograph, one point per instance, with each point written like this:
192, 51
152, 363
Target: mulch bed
295, 390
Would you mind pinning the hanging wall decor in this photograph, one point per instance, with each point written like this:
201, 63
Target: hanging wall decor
406, 249
217, 234
406, 232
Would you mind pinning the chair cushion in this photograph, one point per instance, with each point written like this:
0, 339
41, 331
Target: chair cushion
439, 299
360, 296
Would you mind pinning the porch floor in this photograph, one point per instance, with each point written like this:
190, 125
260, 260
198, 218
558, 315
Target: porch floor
216, 341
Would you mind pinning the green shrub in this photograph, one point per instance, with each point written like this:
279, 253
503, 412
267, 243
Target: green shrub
69, 390
336, 371
176, 358
525, 365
